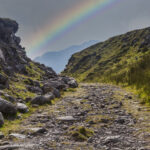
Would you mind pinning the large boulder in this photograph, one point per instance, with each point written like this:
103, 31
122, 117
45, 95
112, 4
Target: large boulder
47, 87
41, 100
22, 108
7, 28
56, 93
54, 83
7, 108
3, 82
35, 89
71, 82
1, 119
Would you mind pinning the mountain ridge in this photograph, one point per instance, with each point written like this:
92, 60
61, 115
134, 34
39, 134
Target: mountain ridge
122, 59
51, 58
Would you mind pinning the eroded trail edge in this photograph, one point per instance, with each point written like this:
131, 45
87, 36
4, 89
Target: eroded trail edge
92, 117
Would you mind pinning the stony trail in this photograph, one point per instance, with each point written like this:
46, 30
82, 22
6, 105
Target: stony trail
92, 117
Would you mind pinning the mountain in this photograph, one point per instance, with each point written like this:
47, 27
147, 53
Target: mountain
24, 83
58, 60
123, 59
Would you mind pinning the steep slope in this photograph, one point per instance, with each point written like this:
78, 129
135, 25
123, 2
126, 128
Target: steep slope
22, 81
123, 59
58, 60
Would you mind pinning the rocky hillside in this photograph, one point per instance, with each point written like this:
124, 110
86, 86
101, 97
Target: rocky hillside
24, 83
124, 59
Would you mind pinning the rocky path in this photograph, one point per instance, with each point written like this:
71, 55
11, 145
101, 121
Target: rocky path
94, 117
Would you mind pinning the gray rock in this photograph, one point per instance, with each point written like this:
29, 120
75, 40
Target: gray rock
7, 108
16, 135
21, 68
28, 99
49, 96
41, 100
66, 118
1, 135
120, 121
3, 82
22, 108
1, 119
35, 89
56, 93
70, 81
47, 88
16, 146
73, 83
10, 98
3, 79
128, 96
9, 70
35, 131
112, 139
54, 83
10, 147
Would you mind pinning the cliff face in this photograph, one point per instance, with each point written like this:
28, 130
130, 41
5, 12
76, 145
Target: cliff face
22, 80
12, 56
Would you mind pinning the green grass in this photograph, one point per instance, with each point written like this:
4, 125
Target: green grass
15, 124
122, 60
17, 89
34, 71
81, 133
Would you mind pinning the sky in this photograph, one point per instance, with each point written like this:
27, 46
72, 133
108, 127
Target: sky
34, 16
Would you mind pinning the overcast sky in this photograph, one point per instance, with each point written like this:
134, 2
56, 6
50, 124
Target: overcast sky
33, 15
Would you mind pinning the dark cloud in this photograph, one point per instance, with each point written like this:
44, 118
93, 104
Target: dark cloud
33, 14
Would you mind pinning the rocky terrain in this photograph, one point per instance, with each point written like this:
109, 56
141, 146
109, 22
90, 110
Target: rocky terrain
95, 117
23, 83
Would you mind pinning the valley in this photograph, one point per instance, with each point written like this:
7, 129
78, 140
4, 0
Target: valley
51, 58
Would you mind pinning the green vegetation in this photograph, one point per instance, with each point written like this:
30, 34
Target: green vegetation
81, 133
34, 71
18, 89
122, 60
18, 84
98, 119
15, 125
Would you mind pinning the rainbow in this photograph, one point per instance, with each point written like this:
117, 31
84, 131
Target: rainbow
65, 22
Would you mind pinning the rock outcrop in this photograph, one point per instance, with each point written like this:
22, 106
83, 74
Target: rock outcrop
7, 108
21, 79
12, 55
41, 100
1, 119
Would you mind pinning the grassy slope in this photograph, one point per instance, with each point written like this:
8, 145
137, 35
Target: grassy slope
19, 82
123, 59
